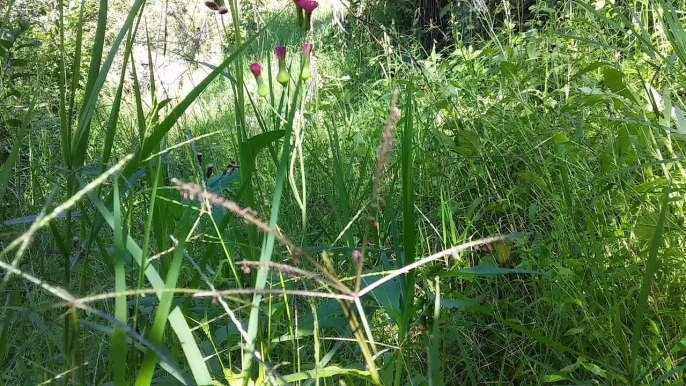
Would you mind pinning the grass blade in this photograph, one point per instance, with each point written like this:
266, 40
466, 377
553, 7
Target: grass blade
7, 167
119, 336
177, 320
268, 243
650, 267
157, 333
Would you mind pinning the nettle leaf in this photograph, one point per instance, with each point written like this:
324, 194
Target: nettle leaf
467, 142
589, 68
445, 140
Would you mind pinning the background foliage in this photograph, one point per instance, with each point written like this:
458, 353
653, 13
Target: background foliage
463, 193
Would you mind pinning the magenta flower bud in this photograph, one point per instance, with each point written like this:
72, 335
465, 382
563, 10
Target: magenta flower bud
282, 77
307, 51
262, 89
299, 13
308, 6
256, 69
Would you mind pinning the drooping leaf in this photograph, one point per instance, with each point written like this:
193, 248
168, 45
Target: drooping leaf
487, 270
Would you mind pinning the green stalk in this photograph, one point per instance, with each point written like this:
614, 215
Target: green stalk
409, 242
243, 151
268, 243
650, 267
118, 351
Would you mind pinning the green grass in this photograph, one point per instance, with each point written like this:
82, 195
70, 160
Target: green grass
520, 219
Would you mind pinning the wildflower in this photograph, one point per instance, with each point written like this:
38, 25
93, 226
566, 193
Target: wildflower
222, 10
307, 50
262, 89
308, 6
299, 12
212, 5
357, 256
282, 77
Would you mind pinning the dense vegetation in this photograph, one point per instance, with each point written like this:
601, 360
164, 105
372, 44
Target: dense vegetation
440, 193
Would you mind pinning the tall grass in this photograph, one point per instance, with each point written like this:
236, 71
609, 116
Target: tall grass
504, 209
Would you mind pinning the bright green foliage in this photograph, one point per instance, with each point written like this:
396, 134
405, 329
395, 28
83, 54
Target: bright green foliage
491, 193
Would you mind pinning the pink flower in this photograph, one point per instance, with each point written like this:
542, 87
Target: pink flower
307, 50
280, 53
256, 69
308, 5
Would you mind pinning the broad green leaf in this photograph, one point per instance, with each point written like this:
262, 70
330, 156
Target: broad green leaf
508, 69
387, 295
591, 67
614, 79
